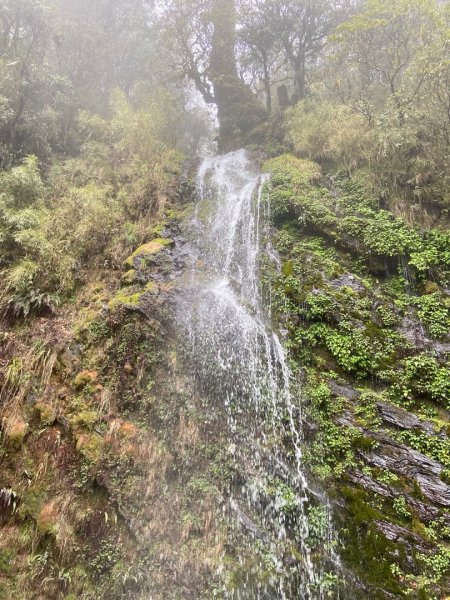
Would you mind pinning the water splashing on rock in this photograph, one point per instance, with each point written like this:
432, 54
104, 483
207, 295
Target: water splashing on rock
239, 363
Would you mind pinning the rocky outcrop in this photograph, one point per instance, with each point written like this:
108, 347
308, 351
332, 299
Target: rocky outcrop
402, 419
407, 462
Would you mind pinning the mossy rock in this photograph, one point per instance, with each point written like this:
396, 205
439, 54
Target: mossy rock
90, 444
122, 299
288, 268
84, 419
151, 286
129, 278
148, 249
430, 287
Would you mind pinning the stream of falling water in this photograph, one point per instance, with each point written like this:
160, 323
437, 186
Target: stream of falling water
239, 361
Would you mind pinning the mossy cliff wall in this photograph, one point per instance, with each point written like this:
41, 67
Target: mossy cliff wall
109, 460
112, 466
364, 297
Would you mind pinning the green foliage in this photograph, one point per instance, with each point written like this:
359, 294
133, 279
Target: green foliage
434, 446
366, 410
43, 239
48, 235
318, 525
378, 69
68, 57
352, 218
437, 564
341, 321
422, 374
285, 498
324, 131
354, 278
107, 556
360, 351
22, 186
434, 312
333, 449
290, 178
320, 306
385, 235
401, 508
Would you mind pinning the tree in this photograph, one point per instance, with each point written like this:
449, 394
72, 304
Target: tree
390, 63
59, 57
204, 32
260, 55
372, 54
288, 36
30, 90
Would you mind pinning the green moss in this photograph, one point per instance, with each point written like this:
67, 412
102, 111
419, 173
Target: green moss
86, 418
122, 299
129, 278
90, 445
46, 412
6, 562
85, 378
366, 549
148, 249
287, 268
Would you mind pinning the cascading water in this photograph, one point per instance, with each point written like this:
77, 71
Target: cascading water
239, 362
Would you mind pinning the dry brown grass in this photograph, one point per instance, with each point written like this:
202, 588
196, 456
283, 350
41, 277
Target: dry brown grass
29, 373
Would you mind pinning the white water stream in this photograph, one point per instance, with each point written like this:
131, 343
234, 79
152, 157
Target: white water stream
239, 362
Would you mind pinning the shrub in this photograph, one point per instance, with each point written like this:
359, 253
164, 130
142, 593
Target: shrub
324, 131
434, 314
424, 375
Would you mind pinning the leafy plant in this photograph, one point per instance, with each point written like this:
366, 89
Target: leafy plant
434, 313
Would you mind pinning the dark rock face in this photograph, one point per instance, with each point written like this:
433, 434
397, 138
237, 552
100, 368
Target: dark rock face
402, 419
347, 280
412, 464
412, 330
345, 391
415, 482
426, 512
395, 533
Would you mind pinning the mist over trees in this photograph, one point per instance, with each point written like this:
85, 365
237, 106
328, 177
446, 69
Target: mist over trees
250, 58
387, 62
106, 87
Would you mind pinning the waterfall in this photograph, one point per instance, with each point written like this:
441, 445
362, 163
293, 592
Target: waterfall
239, 362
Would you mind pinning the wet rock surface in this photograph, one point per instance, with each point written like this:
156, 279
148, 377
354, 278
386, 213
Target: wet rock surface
419, 482
348, 280
395, 533
402, 419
